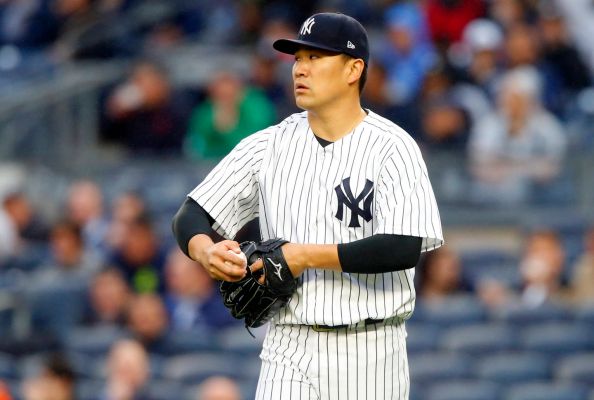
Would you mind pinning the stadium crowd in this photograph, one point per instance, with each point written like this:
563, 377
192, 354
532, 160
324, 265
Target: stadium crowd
97, 303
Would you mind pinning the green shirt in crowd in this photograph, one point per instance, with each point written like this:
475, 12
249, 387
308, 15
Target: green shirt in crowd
204, 140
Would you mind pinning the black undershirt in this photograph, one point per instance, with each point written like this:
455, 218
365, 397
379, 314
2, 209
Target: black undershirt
373, 255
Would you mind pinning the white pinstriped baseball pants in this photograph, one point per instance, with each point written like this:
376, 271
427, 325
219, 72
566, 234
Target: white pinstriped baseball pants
369, 363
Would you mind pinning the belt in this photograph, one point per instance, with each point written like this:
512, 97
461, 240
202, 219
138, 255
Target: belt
360, 324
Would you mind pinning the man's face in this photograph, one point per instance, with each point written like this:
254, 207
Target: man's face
319, 78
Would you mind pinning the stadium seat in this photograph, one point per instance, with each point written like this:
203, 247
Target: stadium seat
438, 367
557, 338
189, 342
421, 337
89, 389
463, 390
194, 368
164, 390
87, 366
7, 367
508, 368
237, 340
585, 314
93, 341
56, 309
248, 388
495, 264
417, 391
522, 316
546, 391
479, 339
577, 368
31, 365
454, 310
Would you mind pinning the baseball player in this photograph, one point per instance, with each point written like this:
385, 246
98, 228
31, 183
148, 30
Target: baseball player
349, 190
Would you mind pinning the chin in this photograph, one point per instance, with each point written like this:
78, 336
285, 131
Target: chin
303, 104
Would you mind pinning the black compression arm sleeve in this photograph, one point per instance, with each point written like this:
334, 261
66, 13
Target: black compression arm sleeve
190, 220
380, 253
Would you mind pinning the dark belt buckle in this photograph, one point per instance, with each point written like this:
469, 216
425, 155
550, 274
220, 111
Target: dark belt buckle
323, 328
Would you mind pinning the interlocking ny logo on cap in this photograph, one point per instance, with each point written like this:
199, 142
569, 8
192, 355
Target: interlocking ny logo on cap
306, 28
350, 45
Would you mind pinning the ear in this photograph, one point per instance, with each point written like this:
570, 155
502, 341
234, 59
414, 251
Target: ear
354, 70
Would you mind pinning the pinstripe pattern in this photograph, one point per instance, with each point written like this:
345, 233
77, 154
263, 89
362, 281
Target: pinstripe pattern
283, 175
365, 364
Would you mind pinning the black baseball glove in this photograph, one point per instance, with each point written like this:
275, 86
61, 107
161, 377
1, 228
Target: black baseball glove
254, 301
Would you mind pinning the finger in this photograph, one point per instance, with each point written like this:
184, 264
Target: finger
222, 275
257, 265
231, 270
235, 258
231, 245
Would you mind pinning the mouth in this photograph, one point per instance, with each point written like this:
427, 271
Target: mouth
300, 87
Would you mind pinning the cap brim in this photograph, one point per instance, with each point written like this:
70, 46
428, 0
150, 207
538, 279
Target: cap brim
290, 46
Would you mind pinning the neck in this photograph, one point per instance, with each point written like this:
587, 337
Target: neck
338, 120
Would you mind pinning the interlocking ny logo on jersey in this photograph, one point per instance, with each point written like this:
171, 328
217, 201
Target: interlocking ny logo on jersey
346, 198
306, 27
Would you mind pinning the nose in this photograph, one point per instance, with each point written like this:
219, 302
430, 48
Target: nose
299, 69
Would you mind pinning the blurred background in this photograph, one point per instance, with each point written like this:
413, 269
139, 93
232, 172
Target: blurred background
111, 111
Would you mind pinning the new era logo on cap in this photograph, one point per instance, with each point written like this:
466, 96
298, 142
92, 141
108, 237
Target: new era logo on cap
333, 32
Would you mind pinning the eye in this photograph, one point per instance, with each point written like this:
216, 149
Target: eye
313, 56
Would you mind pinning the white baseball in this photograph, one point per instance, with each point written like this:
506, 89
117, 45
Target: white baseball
242, 255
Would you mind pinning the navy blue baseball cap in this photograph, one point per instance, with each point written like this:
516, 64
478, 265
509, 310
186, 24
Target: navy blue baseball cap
332, 32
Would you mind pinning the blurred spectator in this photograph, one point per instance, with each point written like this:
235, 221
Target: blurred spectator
519, 146
407, 52
562, 55
147, 321
511, 12
192, 298
109, 296
28, 24
522, 48
55, 382
127, 371
582, 279
87, 30
218, 388
541, 267
127, 207
231, 112
480, 56
445, 124
141, 257
85, 208
10, 240
145, 113
448, 18
376, 97
449, 108
70, 262
19, 225
578, 15
440, 275
265, 77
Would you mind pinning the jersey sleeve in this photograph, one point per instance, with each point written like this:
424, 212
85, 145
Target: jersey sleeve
405, 202
230, 192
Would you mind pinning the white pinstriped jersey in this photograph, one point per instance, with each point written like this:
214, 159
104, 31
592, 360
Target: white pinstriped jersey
371, 181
